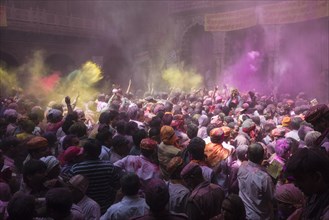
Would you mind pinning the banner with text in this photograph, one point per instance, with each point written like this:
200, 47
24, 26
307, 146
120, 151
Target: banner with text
229, 21
278, 13
293, 11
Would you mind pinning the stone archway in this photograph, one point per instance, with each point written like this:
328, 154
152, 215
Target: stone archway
197, 52
8, 80
61, 63
7, 60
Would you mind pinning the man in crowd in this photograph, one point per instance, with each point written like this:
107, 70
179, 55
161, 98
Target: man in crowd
131, 205
206, 198
104, 177
255, 185
308, 169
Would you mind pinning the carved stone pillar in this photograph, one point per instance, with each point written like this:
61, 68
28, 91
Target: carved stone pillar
219, 53
272, 46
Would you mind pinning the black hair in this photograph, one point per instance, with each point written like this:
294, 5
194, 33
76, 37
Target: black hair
196, 148
228, 119
113, 115
168, 106
138, 136
155, 122
78, 128
237, 205
51, 138
59, 200
210, 127
92, 148
132, 112
9, 142
226, 110
119, 141
256, 153
11, 118
156, 195
104, 118
130, 184
21, 207
33, 166
37, 115
167, 119
295, 123
131, 128
123, 116
160, 114
308, 161
27, 125
154, 133
120, 126
192, 130
256, 120
104, 135
268, 127
68, 141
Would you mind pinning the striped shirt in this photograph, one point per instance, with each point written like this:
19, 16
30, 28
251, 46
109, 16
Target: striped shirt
104, 180
90, 208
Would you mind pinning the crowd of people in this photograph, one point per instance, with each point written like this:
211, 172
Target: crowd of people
207, 154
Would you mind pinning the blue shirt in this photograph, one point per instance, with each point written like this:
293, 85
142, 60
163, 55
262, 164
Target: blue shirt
128, 207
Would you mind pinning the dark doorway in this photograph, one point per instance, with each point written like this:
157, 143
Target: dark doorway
61, 63
246, 59
198, 52
7, 61
116, 67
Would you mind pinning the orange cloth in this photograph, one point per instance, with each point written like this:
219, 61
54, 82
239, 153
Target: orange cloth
215, 153
37, 143
286, 121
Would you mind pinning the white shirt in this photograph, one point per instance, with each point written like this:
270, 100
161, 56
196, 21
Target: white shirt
101, 106
228, 147
105, 153
140, 165
114, 157
293, 134
90, 208
207, 140
128, 207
